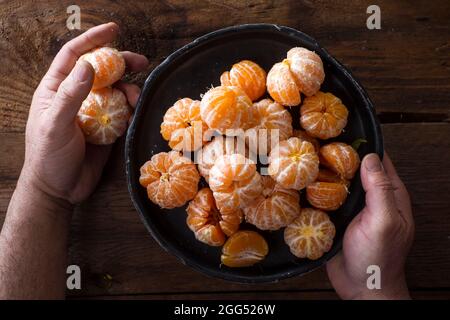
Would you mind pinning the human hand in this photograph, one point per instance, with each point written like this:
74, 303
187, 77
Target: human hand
58, 162
381, 234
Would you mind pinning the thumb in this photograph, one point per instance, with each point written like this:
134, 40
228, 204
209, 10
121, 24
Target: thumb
380, 199
71, 93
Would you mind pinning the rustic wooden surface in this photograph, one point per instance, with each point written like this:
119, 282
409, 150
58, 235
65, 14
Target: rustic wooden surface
405, 68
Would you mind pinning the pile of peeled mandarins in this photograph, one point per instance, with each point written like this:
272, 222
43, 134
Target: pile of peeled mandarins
245, 126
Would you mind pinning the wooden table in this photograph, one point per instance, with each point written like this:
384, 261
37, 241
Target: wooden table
405, 68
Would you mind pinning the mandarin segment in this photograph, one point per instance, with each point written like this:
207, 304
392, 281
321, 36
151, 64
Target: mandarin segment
327, 196
103, 116
209, 225
226, 107
108, 64
302, 135
248, 76
294, 163
323, 115
273, 124
244, 249
183, 127
341, 158
171, 180
275, 208
310, 235
234, 181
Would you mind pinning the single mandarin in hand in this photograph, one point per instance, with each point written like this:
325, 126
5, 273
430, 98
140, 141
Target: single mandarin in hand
273, 123
294, 163
183, 127
103, 116
323, 115
248, 76
275, 208
244, 249
234, 181
302, 135
327, 196
341, 158
108, 64
310, 235
171, 179
225, 108
209, 225
219, 146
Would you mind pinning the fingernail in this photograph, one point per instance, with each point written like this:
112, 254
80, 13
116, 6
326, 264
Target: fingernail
82, 72
372, 163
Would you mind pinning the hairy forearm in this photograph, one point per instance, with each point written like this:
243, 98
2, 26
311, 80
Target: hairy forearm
33, 245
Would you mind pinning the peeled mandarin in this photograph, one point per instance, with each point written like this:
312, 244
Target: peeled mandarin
310, 235
323, 115
294, 163
234, 181
183, 127
225, 108
341, 158
209, 225
281, 85
275, 208
273, 123
326, 175
302, 135
248, 76
244, 249
327, 196
171, 180
103, 116
108, 64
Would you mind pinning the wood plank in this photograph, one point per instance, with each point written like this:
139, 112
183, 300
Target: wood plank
405, 66
107, 236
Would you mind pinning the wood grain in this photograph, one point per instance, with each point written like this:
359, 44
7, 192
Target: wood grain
405, 66
108, 238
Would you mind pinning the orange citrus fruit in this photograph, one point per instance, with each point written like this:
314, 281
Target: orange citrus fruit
219, 146
244, 249
225, 108
310, 235
171, 179
294, 163
281, 85
323, 115
209, 225
234, 181
248, 76
272, 122
327, 196
104, 115
108, 64
183, 127
275, 208
326, 175
302, 135
341, 158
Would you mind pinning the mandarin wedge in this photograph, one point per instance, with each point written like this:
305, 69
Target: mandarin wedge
248, 76
103, 116
226, 107
341, 158
171, 180
294, 163
244, 249
323, 115
234, 181
209, 225
310, 235
183, 127
108, 64
275, 208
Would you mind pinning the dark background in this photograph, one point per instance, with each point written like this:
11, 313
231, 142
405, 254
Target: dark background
405, 67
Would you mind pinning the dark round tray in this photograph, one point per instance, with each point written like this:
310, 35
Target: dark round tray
189, 72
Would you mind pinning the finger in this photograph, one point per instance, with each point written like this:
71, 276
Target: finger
135, 62
132, 92
71, 93
380, 200
72, 50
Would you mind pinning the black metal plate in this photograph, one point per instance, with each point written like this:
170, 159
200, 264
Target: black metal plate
189, 72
